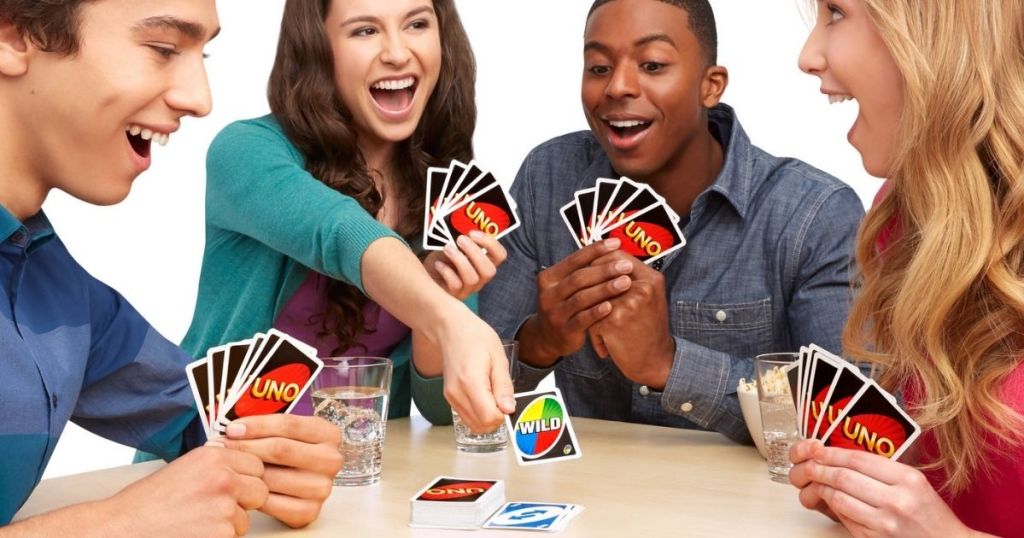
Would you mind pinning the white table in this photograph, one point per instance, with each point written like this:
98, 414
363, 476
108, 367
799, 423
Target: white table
634, 480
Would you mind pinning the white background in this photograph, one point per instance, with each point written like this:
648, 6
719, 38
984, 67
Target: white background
529, 56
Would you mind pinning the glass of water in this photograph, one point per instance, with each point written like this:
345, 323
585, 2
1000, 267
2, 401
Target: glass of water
778, 412
352, 392
465, 439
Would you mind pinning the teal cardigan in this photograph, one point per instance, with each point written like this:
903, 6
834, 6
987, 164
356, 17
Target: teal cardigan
268, 223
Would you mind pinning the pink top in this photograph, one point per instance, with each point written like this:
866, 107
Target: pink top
300, 318
992, 503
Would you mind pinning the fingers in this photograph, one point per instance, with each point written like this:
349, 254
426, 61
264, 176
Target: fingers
458, 261
802, 451
250, 492
600, 282
298, 483
850, 482
495, 251
501, 385
877, 467
849, 507
578, 260
292, 511
298, 428
322, 458
474, 402
597, 341
451, 279
240, 521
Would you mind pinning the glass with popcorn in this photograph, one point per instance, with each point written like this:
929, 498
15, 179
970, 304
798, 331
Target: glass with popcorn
352, 393
778, 413
465, 439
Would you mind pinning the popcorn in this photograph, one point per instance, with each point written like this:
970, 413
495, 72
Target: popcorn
774, 381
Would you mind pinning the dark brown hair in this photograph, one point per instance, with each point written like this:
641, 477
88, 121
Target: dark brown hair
305, 101
51, 25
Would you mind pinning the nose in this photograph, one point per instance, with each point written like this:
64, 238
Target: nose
190, 92
812, 57
623, 83
395, 50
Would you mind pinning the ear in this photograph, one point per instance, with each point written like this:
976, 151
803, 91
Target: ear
14, 50
716, 79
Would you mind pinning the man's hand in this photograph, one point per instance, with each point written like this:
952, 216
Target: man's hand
203, 493
571, 296
635, 334
301, 457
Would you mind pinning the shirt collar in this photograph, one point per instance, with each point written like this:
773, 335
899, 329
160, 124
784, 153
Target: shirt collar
735, 181
37, 227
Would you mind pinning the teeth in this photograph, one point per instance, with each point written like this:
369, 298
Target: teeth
394, 84
833, 99
626, 124
148, 134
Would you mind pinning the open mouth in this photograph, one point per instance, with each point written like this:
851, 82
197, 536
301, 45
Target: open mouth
139, 145
141, 139
628, 128
394, 95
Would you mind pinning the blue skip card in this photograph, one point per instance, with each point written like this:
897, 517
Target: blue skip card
532, 516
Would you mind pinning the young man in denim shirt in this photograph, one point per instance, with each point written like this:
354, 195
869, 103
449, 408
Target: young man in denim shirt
768, 260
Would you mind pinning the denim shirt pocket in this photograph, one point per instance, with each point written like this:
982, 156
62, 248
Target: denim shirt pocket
739, 329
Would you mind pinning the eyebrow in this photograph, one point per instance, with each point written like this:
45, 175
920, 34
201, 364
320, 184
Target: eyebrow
189, 29
371, 18
647, 39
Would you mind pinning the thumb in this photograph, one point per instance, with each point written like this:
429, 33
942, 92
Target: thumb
501, 385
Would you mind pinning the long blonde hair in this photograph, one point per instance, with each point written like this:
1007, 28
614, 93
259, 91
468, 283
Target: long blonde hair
942, 306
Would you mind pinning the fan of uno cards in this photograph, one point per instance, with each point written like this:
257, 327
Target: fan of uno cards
463, 198
263, 375
627, 210
839, 406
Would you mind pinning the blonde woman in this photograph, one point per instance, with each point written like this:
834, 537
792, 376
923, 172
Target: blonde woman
940, 86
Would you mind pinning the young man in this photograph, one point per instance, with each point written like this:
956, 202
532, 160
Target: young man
86, 87
768, 259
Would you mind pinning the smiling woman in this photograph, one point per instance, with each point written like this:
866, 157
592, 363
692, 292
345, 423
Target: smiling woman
365, 96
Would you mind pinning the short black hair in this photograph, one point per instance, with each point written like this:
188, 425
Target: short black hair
702, 23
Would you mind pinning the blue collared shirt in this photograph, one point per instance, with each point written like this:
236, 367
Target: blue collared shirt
71, 348
766, 268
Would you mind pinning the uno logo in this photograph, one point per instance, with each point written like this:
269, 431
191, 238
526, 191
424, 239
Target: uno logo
458, 490
485, 217
273, 391
872, 433
643, 239
539, 427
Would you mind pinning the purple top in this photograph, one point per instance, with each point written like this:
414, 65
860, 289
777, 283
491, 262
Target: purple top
300, 319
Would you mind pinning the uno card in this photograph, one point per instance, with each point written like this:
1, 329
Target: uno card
454, 490
432, 206
847, 384
584, 201
214, 371
198, 379
874, 423
623, 195
529, 516
541, 429
281, 378
825, 369
489, 211
793, 376
648, 235
602, 197
573, 220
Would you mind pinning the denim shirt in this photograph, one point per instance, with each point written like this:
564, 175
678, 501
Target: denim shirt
767, 267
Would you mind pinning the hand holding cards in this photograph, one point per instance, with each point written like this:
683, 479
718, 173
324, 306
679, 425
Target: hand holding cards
627, 210
840, 406
263, 375
463, 198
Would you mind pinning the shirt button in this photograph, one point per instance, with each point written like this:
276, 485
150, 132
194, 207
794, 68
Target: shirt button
686, 407
18, 237
644, 391
53, 399
721, 316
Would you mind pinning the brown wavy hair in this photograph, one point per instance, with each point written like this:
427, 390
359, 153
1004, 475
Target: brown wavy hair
305, 101
942, 307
